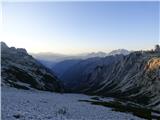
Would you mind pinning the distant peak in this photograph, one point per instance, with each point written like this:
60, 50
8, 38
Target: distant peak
119, 51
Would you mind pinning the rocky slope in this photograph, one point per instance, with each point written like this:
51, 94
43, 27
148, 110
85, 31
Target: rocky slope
62, 67
20, 70
77, 77
135, 77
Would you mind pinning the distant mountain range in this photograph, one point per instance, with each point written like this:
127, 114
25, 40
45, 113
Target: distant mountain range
60, 67
21, 70
50, 59
58, 57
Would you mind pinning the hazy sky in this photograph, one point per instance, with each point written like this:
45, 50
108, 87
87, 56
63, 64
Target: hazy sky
77, 27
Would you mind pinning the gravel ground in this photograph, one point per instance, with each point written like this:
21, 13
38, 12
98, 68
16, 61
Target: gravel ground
40, 105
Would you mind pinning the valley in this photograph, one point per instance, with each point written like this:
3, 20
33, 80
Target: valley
120, 86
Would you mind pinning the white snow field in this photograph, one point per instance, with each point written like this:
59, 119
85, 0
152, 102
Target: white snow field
40, 105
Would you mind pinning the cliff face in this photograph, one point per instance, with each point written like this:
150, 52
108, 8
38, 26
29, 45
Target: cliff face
20, 70
152, 74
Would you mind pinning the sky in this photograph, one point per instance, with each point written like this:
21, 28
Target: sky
78, 27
